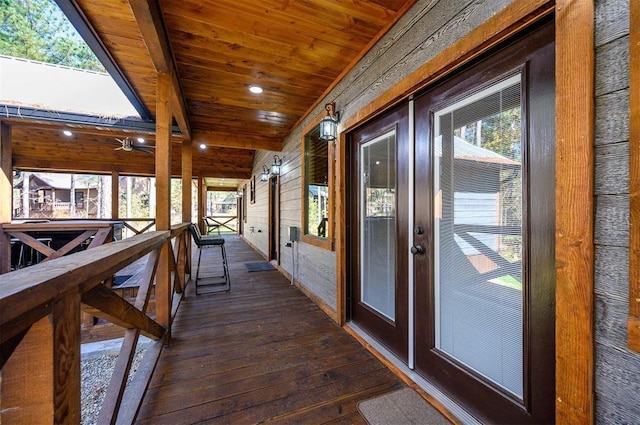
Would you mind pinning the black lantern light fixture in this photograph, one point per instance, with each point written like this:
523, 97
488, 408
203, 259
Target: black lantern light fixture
329, 124
275, 167
265, 174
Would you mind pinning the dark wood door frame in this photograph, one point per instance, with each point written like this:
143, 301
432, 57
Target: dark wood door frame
393, 334
274, 219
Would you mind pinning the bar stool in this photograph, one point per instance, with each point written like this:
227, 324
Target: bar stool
16, 259
38, 254
208, 241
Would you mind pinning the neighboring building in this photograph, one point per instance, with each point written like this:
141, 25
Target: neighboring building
50, 196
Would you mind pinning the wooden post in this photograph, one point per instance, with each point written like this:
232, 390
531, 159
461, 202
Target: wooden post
163, 196
187, 170
574, 249
6, 195
202, 202
633, 325
115, 194
187, 175
41, 379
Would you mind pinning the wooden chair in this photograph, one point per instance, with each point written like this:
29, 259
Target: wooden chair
211, 225
207, 241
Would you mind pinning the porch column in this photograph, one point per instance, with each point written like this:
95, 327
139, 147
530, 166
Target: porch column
115, 194
187, 171
163, 196
202, 202
6, 194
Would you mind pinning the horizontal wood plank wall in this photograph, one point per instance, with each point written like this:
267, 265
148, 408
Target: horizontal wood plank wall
617, 368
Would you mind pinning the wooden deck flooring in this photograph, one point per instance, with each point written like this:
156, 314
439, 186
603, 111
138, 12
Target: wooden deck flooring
260, 353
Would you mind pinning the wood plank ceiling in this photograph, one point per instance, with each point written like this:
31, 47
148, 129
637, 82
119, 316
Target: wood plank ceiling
295, 50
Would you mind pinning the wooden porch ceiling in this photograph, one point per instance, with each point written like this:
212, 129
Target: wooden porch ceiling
214, 50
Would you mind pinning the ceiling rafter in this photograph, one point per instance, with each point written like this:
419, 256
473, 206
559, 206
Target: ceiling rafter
150, 23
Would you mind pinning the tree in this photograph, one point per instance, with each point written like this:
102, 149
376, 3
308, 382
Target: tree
38, 30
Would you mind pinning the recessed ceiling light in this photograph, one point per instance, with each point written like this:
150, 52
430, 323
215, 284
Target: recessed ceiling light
140, 139
255, 89
67, 133
203, 146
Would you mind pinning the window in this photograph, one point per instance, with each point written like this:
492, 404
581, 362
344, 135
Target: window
317, 188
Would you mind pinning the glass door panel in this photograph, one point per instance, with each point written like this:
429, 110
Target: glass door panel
478, 189
378, 224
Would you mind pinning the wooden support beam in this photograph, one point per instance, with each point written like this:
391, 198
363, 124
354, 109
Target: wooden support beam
163, 197
150, 23
41, 381
574, 248
6, 194
115, 194
66, 359
8, 347
187, 175
238, 141
633, 324
112, 307
26, 393
202, 202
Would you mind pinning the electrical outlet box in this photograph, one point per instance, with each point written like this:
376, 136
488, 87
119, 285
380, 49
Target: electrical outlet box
293, 233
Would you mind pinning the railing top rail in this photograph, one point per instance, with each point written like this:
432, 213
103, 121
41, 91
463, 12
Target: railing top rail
27, 294
177, 229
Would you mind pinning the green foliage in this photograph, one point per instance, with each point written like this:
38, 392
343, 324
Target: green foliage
38, 30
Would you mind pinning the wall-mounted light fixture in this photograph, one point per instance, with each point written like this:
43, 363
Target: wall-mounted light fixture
264, 176
240, 193
329, 124
275, 167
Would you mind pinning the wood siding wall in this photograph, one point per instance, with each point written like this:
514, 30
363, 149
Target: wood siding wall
617, 373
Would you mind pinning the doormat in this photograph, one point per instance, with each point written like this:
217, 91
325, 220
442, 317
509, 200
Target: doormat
120, 280
260, 266
404, 406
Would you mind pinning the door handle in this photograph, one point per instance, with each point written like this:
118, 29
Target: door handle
417, 249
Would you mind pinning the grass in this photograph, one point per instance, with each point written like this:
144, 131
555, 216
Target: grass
508, 281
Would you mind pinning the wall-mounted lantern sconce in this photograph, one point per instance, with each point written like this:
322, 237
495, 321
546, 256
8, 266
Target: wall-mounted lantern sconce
329, 124
264, 176
240, 193
275, 167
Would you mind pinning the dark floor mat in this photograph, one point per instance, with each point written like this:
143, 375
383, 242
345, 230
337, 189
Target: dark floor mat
260, 266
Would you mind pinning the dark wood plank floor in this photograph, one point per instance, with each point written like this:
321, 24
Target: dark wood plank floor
260, 353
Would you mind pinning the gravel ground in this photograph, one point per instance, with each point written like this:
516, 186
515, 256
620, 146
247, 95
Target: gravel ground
96, 370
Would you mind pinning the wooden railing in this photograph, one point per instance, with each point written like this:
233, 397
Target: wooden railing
129, 223
40, 327
148, 223
216, 223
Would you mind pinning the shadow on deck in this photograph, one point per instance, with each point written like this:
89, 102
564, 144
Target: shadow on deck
262, 352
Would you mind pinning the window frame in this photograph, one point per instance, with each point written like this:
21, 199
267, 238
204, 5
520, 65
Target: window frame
327, 243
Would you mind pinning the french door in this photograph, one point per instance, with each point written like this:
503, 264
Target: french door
482, 233
379, 175
485, 286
